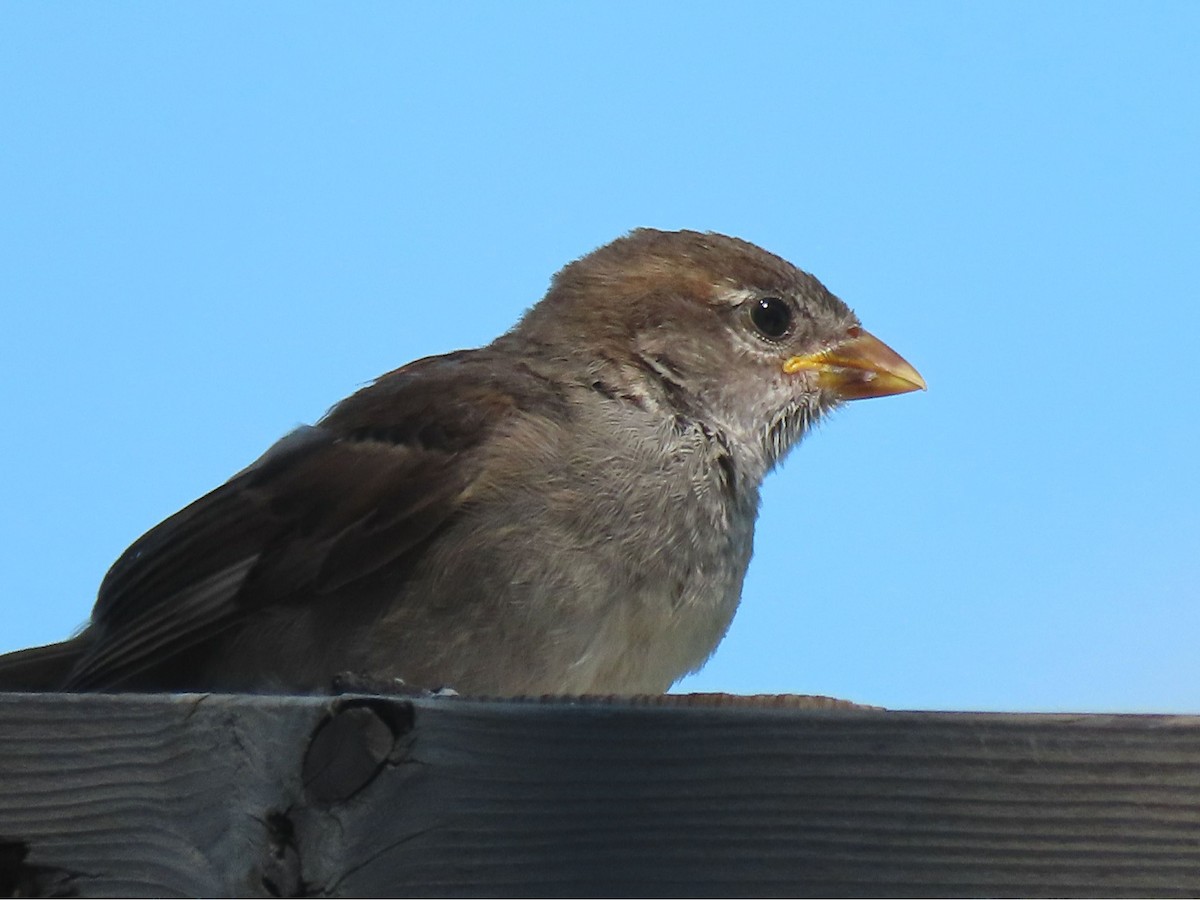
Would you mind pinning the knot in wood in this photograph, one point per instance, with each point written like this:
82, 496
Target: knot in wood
351, 745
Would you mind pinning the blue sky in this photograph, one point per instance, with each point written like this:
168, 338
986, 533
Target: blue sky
218, 219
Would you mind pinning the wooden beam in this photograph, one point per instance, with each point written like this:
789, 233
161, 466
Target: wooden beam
142, 795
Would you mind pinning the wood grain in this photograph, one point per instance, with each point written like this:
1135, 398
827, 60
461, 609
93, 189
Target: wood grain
214, 795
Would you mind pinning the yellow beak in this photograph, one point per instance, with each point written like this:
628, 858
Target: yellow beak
861, 366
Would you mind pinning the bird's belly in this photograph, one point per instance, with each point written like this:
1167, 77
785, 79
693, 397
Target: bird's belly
652, 642
659, 617
489, 620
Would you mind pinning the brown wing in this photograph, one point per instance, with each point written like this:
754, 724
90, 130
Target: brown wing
324, 507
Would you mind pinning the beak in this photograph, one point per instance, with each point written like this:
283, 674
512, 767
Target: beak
862, 366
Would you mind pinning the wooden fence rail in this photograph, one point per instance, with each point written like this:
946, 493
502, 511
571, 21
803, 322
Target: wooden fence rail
213, 795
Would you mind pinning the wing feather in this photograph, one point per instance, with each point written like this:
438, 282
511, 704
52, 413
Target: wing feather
325, 507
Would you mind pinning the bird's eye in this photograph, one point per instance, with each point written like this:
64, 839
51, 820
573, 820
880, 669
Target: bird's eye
771, 316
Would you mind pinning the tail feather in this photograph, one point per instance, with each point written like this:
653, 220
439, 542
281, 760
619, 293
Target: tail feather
40, 668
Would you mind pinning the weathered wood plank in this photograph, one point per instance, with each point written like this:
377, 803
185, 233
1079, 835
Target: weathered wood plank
261, 796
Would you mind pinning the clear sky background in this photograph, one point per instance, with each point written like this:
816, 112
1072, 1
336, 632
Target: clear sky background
218, 219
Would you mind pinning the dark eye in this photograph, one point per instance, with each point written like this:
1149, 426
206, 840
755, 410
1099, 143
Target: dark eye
771, 316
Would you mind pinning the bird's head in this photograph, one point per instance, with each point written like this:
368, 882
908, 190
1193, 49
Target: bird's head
721, 330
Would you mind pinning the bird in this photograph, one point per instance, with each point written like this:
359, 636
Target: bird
569, 509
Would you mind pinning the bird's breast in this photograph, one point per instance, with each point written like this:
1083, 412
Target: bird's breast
612, 556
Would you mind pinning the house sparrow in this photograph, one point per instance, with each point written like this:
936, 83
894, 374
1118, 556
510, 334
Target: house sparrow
569, 509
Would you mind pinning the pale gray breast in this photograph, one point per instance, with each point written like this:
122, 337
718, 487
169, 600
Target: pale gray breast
660, 527
603, 555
